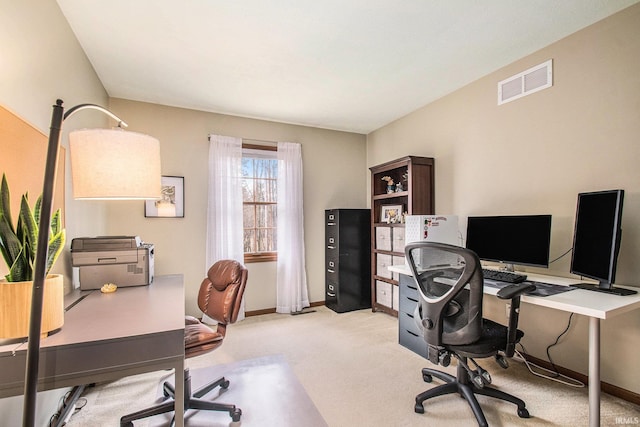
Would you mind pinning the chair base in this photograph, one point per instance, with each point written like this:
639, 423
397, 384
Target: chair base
191, 401
467, 390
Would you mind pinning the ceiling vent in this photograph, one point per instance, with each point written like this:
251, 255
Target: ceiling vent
523, 84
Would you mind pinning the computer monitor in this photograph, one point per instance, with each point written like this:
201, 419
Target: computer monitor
596, 239
511, 239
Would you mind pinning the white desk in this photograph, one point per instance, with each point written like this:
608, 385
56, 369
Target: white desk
595, 305
107, 337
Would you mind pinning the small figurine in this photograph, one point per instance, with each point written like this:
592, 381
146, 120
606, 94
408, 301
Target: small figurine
390, 186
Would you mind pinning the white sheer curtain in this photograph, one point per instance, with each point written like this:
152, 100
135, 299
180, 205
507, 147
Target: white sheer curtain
224, 211
292, 292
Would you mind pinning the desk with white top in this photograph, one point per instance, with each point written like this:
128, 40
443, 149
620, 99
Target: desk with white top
106, 337
595, 305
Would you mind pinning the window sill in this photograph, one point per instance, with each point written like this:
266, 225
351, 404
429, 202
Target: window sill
262, 257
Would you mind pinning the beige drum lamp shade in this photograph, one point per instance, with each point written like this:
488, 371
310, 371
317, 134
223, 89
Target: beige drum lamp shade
114, 164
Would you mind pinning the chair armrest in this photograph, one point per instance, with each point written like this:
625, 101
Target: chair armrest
190, 320
515, 290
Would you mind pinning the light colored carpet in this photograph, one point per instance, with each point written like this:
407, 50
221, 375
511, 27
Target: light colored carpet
357, 374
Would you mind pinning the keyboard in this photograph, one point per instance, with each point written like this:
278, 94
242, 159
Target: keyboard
503, 276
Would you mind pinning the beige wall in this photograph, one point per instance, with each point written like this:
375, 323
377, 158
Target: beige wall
333, 162
40, 61
533, 156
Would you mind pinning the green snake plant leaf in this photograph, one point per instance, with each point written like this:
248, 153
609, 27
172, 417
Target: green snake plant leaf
37, 209
10, 244
30, 227
56, 223
21, 270
56, 244
5, 201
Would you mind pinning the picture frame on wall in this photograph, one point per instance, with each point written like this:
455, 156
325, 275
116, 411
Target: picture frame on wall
171, 203
391, 214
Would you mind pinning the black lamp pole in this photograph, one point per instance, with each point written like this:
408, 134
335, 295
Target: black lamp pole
35, 327
33, 348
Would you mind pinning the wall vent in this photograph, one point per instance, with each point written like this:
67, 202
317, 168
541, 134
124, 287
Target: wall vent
532, 80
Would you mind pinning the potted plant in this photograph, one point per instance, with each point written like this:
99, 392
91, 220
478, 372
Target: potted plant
18, 246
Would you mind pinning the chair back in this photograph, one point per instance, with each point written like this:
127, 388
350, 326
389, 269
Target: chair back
450, 282
221, 292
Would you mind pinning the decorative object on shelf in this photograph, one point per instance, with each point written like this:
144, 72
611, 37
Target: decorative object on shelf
391, 214
171, 203
399, 187
18, 246
391, 188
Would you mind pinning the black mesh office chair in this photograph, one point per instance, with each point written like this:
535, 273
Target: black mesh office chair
449, 313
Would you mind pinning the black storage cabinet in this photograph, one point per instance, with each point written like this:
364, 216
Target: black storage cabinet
347, 259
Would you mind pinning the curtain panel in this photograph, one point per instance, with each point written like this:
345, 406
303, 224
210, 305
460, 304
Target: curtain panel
292, 292
224, 208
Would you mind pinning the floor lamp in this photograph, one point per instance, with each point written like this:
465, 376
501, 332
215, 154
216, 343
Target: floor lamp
105, 164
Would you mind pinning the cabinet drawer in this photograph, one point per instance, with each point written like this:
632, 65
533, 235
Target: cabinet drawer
396, 260
384, 293
397, 244
383, 262
395, 298
409, 336
408, 303
407, 323
383, 238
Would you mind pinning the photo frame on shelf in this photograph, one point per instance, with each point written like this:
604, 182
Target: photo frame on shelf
391, 214
171, 203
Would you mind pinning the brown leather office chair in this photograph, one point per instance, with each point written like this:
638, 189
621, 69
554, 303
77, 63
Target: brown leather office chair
219, 298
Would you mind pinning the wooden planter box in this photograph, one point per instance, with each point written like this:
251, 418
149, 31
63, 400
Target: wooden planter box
15, 307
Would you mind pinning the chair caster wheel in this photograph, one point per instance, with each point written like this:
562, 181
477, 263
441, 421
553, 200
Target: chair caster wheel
478, 381
504, 364
236, 414
427, 378
523, 413
225, 384
419, 409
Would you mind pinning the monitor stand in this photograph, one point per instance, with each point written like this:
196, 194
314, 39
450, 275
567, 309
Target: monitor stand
611, 290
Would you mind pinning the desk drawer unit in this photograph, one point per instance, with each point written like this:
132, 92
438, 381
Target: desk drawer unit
409, 335
347, 259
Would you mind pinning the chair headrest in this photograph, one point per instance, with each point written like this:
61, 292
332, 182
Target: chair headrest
224, 273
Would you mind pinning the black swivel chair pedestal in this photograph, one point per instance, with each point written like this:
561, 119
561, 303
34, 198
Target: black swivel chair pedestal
450, 283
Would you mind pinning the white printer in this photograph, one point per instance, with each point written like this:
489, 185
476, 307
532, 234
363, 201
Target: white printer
123, 260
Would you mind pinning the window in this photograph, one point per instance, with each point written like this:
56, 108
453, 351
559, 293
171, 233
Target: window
259, 196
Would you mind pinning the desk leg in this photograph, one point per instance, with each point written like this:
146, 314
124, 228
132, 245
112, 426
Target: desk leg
179, 390
594, 372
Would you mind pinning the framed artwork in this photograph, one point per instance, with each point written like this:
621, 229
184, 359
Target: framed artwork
390, 214
171, 203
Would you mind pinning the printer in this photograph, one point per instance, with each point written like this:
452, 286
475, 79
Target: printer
122, 260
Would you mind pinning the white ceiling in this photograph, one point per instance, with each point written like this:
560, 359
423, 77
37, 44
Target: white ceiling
352, 65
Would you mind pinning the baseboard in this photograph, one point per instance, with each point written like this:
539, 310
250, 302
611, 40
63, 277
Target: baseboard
273, 310
611, 389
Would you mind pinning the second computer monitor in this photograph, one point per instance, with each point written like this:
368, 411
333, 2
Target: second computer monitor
511, 239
